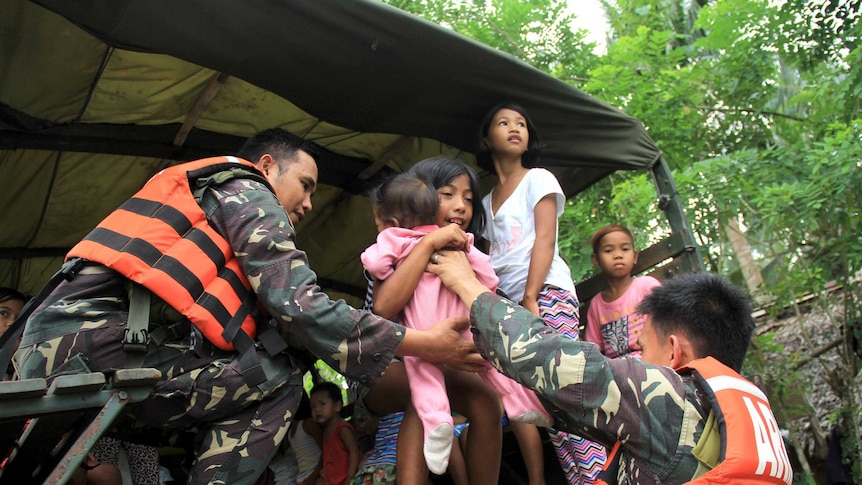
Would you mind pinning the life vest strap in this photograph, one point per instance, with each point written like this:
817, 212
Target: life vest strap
136, 335
271, 339
234, 325
249, 362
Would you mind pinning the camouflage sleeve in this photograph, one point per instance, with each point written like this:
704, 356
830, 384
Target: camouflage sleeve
357, 344
651, 410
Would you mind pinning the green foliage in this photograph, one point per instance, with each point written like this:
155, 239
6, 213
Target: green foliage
619, 199
539, 32
801, 205
756, 105
648, 78
765, 131
327, 374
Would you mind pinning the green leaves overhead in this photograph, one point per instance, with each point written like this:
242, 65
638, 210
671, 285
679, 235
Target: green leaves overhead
538, 32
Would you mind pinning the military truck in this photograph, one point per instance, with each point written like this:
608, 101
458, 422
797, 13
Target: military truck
97, 96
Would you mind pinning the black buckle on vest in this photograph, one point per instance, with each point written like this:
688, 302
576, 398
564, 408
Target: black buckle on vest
70, 268
135, 341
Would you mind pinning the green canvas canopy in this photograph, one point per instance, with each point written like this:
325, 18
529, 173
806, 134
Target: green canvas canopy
98, 95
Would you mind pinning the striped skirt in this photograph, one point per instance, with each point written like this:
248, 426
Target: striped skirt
580, 458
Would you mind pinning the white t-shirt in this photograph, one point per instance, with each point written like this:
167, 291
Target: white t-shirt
512, 232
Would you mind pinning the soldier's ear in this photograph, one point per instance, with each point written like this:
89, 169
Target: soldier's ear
682, 352
265, 163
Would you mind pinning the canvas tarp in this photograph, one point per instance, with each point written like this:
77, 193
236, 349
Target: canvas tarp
97, 95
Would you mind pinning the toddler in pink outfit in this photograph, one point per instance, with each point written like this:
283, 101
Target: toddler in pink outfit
406, 211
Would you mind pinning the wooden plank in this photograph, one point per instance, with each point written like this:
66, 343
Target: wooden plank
23, 388
667, 248
66, 421
77, 383
52, 404
135, 377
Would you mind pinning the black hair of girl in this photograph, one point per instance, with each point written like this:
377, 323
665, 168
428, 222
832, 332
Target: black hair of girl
7, 294
529, 159
441, 171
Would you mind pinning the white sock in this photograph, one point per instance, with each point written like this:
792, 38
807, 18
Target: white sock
535, 418
438, 447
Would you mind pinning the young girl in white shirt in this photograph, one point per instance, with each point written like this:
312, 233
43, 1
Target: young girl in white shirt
522, 214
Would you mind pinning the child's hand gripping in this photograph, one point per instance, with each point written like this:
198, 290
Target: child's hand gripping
448, 237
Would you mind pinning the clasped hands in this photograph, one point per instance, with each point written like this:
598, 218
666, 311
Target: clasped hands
456, 273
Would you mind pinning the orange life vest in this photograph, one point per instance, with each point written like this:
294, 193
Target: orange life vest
161, 239
752, 450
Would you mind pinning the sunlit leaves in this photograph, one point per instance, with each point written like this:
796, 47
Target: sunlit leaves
538, 32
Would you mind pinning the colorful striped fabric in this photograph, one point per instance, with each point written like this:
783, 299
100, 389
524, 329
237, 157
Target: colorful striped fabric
385, 441
580, 458
559, 309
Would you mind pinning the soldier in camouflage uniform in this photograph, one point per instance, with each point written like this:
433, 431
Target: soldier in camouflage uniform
80, 326
661, 418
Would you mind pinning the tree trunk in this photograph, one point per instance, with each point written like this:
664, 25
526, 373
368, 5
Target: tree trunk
750, 270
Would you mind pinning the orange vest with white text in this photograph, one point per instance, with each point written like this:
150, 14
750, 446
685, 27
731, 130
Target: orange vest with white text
161, 239
752, 449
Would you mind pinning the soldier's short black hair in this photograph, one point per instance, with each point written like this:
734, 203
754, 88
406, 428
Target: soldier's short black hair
712, 313
281, 144
405, 200
329, 388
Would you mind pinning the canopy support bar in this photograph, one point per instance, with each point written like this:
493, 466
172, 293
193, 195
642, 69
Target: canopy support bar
194, 115
689, 260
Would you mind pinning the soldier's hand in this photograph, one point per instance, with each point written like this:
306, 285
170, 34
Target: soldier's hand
450, 348
455, 271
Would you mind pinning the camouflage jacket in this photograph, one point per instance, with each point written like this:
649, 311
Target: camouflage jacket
249, 216
657, 415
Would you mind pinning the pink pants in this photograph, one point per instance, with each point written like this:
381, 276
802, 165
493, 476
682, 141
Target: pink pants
428, 393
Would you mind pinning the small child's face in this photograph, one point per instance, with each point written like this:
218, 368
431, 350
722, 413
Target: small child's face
323, 408
616, 256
